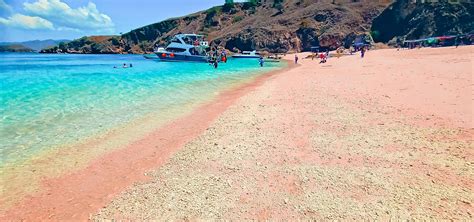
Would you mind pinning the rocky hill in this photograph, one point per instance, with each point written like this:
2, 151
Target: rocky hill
293, 25
407, 20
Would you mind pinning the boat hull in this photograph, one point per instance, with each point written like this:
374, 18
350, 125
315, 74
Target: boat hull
170, 57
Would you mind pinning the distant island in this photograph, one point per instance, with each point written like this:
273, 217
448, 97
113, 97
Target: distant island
15, 48
290, 25
30, 46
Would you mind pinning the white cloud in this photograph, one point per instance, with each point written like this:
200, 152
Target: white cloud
82, 18
67, 29
5, 8
26, 22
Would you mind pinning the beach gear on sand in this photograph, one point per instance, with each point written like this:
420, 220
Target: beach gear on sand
322, 56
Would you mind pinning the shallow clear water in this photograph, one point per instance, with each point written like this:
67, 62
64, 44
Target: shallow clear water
50, 100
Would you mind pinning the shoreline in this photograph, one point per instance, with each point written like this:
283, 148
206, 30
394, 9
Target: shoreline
92, 187
350, 139
383, 137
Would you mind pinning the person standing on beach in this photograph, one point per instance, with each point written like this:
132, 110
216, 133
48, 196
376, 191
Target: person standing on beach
260, 60
224, 56
296, 58
339, 52
362, 52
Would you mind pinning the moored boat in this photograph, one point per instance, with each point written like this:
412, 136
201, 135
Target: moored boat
185, 48
247, 55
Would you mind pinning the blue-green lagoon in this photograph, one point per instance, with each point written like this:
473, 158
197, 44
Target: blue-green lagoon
51, 100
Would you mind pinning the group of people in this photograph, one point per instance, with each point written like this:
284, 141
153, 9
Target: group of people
323, 56
125, 66
216, 56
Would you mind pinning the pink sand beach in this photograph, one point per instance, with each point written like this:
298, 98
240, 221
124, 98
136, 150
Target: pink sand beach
389, 136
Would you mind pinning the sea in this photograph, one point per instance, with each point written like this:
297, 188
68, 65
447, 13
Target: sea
49, 101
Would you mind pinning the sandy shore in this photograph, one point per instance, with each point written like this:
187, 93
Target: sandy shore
387, 136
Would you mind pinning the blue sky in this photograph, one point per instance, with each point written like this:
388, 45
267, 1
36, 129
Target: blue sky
22, 20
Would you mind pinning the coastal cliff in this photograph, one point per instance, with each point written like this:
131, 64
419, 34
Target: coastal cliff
292, 25
407, 20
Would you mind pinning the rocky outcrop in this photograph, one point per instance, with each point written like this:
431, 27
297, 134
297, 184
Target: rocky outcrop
299, 26
407, 20
262, 39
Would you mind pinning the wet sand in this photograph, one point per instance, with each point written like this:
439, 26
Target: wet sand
387, 136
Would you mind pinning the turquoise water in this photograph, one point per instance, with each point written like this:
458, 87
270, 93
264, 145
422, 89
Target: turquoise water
50, 100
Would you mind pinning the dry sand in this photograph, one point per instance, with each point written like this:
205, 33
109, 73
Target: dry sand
387, 136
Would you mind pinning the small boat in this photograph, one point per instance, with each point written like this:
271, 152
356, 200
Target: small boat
247, 55
185, 48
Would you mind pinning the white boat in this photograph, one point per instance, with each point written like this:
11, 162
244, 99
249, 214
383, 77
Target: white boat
247, 55
185, 48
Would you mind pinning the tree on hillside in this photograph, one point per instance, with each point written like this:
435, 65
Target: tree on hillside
228, 5
278, 4
63, 46
251, 4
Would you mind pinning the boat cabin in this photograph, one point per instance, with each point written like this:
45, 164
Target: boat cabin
190, 39
189, 44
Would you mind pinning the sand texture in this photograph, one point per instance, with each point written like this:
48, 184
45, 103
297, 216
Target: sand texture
387, 136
